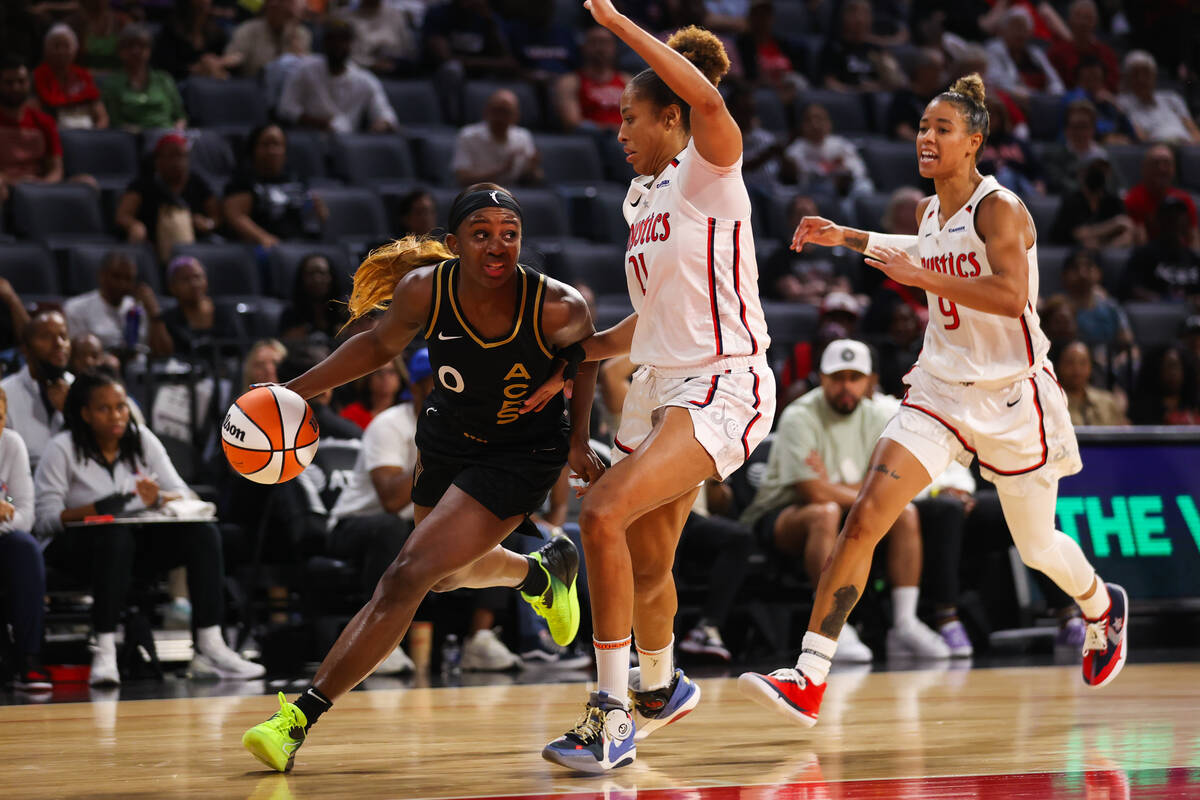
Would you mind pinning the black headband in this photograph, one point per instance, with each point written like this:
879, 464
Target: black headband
468, 204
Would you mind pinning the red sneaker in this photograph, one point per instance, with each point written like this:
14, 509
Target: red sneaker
1105, 640
787, 691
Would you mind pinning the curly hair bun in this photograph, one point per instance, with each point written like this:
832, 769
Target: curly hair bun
970, 86
703, 49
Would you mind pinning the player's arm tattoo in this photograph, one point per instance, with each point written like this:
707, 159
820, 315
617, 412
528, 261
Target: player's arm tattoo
887, 472
843, 601
856, 240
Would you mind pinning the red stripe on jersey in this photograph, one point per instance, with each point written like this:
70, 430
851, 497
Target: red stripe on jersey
1028, 340
712, 390
712, 285
754, 419
737, 283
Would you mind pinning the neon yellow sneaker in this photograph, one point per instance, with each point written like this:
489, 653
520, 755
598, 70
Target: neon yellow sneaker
559, 604
276, 741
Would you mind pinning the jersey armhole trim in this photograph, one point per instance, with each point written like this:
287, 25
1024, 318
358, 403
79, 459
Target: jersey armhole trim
538, 300
978, 203
437, 300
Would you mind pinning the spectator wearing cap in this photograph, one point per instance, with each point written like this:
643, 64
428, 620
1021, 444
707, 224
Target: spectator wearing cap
1065, 159
335, 94
819, 458
138, 97
1087, 404
838, 319
259, 41
196, 324
168, 204
1158, 115
1083, 19
591, 94
1015, 63
908, 103
497, 149
1112, 125
122, 312
36, 394
1168, 266
1093, 215
65, 89
1143, 200
804, 277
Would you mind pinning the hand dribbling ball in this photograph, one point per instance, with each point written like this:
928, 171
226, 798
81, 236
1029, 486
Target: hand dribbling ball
269, 434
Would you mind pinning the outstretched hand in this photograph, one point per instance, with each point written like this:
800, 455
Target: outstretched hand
896, 264
603, 11
818, 231
549, 390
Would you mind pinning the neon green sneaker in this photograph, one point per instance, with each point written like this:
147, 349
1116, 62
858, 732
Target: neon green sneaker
559, 604
276, 741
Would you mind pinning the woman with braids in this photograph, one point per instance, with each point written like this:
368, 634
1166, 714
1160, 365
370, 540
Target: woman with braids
495, 331
982, 387
105, 464
702, 397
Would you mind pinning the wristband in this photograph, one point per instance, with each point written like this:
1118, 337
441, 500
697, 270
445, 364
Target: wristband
906, 243
574, 355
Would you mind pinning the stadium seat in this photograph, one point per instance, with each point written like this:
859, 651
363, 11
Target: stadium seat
234, 103
415, 102
355, 215
891, 165
609, 314
1189, 167
211, 154
1045, 117
569, 158
367, 159
770, 110
1050, 266
259, 315
285, 259
110, 156
612, 156
58, 212
1127, 159
29, 267
543, 211
847, 110
789, 323
600, 266
435, 152
1156, 324
870, 209
1113, 261
476, 94
84, 260
1043, 209
307, 152
231, 268
606, 219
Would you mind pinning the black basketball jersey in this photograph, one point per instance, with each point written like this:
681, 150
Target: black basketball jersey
480, 384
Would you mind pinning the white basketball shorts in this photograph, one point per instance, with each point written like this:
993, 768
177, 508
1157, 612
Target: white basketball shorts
732, 411
1019, 431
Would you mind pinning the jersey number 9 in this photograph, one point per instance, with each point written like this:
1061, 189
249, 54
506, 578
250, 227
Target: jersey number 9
950, 311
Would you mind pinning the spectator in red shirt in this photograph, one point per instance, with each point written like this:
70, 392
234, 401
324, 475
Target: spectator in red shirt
65, 89
30, 150
1143, 200
377, 392
1083, 19
592, 93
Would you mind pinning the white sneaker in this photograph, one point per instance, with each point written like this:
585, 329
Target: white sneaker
104, 667
484, 652
850, 648
219, 661
396, 663
915, 639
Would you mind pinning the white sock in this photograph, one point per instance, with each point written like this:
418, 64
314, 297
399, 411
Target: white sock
816, 655
657, 666
209, 640
1095, 606
106, 643
612, 667
904, 605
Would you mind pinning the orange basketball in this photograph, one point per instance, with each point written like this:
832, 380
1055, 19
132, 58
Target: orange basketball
269, 434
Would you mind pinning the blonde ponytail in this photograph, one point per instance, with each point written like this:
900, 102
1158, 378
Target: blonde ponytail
376, 277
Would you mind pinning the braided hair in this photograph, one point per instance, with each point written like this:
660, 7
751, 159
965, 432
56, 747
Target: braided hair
82, 435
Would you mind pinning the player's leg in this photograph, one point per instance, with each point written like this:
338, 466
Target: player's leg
894, 477
1029, 513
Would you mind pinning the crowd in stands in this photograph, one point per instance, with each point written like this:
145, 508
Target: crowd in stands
185, 188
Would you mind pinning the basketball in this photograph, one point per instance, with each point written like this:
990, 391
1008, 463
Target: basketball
269, 434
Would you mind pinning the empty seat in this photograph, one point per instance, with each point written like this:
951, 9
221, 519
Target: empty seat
259, 315
372, 159
234, 103
476, 94
770, 110
231, 268
870, 209
1045, 117
306, 153
600, 266
84, 260
435, 152
788, 323
569, 159
1189, 167
355, 214
1156, 324
1043, 210
285, 258
543, 211
29, 267
847, 110
606, 219
111, 157
610, 313
1050, 266
58, 211
612, 157
1127, 159
1113, 261
415, 102
891, 165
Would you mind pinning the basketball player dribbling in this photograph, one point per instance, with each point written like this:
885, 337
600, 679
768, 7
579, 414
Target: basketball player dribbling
494, 331
982, 387
703, 396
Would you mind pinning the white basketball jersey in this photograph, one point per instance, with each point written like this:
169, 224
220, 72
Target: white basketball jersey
693, 279
964, 344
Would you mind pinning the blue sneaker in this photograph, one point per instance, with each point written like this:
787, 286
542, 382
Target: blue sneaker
1105, 644
602, 740
657, 708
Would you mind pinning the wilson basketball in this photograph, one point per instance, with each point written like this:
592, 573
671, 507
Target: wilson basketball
269, 434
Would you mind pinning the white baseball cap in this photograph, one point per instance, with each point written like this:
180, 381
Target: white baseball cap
848, 354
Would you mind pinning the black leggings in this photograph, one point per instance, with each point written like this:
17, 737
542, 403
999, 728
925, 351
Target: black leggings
371, 542
942, 522
729, 544
112, 557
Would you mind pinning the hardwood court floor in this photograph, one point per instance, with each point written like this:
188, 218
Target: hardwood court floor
978, 734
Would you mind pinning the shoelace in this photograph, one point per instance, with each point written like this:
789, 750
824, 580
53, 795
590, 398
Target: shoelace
1095, 637
588, 729
790, 676
283, 720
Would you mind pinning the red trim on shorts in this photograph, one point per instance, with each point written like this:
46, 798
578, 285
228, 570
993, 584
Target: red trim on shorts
1028, 340
712, 390
712, 285
621, 447
737, 284
1053, 377
754, 419
1037, 401
612, 645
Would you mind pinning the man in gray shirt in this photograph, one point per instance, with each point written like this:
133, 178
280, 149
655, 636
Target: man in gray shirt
37, 393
